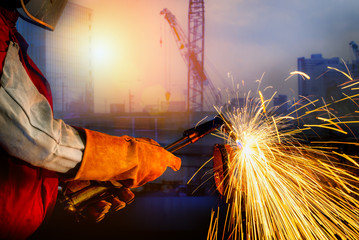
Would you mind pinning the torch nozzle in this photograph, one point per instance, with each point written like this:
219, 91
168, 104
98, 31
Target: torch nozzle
192, 135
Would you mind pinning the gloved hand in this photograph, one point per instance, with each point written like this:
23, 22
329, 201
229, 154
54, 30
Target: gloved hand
131, 161
92, 200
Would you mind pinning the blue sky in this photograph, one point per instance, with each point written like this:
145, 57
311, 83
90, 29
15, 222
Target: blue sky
268, 36
246, 38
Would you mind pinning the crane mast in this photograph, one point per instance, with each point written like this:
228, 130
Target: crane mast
191, 49
196, 76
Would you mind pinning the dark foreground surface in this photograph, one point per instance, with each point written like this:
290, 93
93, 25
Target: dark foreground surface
148, 217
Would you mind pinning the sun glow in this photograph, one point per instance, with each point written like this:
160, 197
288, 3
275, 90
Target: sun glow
105, 52
101, 53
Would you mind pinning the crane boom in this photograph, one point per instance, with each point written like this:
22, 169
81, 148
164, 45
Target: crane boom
197, 78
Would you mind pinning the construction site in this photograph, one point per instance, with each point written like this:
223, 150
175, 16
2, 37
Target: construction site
178, 205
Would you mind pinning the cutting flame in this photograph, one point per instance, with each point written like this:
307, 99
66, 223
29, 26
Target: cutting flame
239, 145
278, 186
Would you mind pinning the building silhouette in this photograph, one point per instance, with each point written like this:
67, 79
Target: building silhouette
355, 59
64, 57
330, 87
324, 82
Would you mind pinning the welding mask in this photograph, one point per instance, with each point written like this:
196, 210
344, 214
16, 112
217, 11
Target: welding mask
45, 13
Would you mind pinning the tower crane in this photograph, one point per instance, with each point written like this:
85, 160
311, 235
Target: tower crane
191, 50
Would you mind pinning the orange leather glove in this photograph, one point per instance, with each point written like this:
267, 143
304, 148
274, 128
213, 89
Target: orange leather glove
131, 161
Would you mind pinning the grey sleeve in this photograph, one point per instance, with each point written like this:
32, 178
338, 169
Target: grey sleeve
27, 128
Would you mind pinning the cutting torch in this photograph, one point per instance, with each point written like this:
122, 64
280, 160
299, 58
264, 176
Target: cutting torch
77, 202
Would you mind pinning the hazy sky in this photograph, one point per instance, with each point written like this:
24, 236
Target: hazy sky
244, 37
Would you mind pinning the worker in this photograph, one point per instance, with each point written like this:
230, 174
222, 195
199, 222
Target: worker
35, 148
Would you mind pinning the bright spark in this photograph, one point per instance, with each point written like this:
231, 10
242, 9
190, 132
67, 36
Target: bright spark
304, 75
281, 187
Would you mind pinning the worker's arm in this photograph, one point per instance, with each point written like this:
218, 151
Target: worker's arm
28, 131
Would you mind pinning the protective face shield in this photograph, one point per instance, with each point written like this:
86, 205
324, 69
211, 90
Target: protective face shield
42, 12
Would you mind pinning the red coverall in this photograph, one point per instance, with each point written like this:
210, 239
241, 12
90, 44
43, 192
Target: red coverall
26, 192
